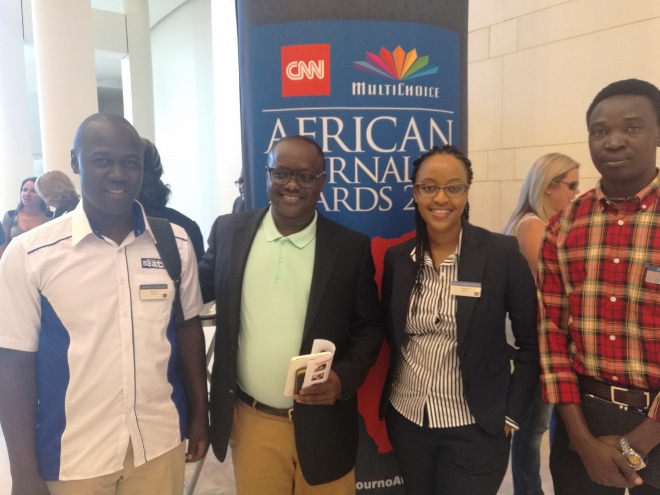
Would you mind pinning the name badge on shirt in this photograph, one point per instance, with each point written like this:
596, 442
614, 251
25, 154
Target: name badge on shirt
466, 289
152, 292
653, 274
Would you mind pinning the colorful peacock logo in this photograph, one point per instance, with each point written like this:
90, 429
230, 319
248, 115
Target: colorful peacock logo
396, 65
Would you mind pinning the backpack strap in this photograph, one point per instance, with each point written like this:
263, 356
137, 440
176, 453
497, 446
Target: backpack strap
169, 253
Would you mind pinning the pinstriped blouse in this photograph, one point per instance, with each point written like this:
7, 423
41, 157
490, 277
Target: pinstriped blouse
428, 374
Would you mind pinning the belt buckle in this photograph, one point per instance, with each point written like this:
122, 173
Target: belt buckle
290, 413
613, 400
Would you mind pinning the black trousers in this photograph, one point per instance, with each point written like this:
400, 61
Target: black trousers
569, 476
447, 461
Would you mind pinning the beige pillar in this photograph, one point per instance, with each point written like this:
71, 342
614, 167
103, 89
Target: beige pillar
66, 74
136, 69
16, 161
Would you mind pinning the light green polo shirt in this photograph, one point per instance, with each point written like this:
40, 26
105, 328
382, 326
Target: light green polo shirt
276, 285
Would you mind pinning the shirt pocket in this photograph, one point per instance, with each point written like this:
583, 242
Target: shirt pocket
155, 294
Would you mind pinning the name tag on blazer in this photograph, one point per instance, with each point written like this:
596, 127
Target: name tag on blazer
465, 289
653, 274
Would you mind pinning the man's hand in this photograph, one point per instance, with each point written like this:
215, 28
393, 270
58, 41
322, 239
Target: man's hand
605, 463
198, 439
29, 485
322, 393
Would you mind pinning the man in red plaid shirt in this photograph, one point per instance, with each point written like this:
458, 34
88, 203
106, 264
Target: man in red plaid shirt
599, 295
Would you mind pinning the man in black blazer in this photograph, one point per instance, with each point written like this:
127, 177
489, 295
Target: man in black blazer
341, 305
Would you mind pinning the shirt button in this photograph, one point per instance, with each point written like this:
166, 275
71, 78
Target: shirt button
612, 337
620, 222
616, 260
281, 260
124, 313
644, 207
615, 378
613, 299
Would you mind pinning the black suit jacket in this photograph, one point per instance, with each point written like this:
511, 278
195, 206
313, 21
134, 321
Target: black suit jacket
343, 307
491, 390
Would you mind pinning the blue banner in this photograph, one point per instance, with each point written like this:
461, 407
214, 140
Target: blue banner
373, 94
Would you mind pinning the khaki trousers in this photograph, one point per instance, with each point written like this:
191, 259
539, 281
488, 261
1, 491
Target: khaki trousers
266, 461
160, 476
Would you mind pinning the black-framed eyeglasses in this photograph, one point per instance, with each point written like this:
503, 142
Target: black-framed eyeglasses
239, 183
282, 177
451, 190
572, 186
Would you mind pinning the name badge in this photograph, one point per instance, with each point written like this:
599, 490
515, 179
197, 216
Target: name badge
465, 289
653, 274
152, 292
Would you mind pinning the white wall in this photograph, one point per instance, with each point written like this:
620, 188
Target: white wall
181, 48
533, 68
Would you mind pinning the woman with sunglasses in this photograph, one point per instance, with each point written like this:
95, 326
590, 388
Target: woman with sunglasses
450, 399
550, 185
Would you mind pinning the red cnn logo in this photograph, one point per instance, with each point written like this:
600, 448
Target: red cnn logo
306, 70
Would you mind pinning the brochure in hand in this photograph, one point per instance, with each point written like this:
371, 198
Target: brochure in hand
310, 369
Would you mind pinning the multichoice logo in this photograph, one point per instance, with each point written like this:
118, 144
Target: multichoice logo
399, 66
306, 70
396, 65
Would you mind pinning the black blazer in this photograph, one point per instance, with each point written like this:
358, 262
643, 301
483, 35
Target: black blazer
343, 307
491, 390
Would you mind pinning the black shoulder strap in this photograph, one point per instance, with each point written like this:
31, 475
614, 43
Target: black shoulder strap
169, 253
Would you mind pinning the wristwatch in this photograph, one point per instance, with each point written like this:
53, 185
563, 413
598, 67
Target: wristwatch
633, 459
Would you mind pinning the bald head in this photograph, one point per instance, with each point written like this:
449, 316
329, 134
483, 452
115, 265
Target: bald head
101, 119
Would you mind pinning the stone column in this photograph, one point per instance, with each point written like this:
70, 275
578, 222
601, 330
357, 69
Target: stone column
16, 161
66, 74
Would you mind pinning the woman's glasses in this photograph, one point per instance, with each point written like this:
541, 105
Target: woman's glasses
573, 186
451, 190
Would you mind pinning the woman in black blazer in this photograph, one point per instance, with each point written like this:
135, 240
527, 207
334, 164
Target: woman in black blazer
451, 399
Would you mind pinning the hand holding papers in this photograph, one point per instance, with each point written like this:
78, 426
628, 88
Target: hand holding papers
316, 367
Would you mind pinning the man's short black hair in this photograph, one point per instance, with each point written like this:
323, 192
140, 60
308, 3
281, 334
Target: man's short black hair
628, 87
302, 139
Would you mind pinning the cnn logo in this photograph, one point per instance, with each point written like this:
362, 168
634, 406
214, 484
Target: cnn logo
301, 70
306, 70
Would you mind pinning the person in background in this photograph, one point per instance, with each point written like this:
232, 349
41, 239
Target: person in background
58, 191
154, 195
599, 317
30, 213
450, 399
239, 203
550, 185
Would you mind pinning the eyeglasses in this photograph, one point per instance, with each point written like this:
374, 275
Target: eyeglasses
282, 177
451, 190
572, 186
239, 183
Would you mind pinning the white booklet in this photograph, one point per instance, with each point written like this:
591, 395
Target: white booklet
310, 369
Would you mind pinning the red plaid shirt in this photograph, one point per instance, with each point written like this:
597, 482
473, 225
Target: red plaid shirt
598, 316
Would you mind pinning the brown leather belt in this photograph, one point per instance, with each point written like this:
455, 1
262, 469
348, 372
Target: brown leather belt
259, 406
639, 399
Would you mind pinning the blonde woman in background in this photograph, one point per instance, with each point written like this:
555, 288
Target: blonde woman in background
58, 191
550, 185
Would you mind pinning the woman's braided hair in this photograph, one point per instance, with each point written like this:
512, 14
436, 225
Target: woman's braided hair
421, 231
